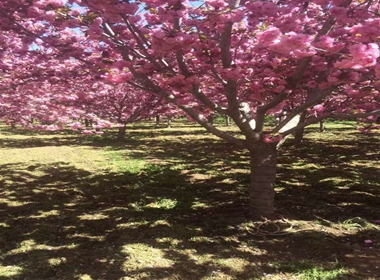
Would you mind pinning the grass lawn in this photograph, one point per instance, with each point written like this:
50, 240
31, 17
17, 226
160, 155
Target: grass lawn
171, 204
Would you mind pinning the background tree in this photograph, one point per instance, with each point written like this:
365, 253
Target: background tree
119, 104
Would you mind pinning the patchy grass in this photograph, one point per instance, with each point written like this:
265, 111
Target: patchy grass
171, 204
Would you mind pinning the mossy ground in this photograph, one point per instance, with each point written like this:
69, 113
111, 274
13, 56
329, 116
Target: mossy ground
172, 204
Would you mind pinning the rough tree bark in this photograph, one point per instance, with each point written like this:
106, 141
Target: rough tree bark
158, 120
263, 160
121, 132
169, 122
322, 126
88, 123
228, 120
298, 135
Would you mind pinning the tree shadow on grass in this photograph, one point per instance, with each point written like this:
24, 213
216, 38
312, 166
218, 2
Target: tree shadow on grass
34, 142
341, 179
60, 222
108, 139
183, 216
67, 222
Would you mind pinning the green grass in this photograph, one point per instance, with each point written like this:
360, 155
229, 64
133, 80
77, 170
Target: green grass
172, 204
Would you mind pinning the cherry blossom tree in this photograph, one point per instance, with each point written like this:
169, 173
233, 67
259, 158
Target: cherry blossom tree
243, 59
121, 104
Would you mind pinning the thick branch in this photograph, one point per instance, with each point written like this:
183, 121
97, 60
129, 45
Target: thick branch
225, 45
234, 112
261, 110
217, 75
302, 108
202, 121
331, 116
181, 63
304, 63
225, 39
207, 101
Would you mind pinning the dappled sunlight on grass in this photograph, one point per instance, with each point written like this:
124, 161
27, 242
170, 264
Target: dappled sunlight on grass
160, 206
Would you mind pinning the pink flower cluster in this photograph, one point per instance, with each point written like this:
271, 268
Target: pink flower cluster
289, 44
366, 32
180, 83
53, 3
230, 73
327, 43
117, 76
164, 42
96, 31
272, 138
260, 9
362, 55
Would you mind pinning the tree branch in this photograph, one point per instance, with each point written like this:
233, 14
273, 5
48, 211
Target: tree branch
210, 128
225, 39
303, 107
207, 101
331, 116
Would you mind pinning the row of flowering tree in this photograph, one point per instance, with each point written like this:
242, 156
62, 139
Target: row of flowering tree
243, 59
37, 95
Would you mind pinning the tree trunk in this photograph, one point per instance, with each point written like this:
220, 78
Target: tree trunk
158, 120
228, 121
169, 123
210, 119
263, 158
322, 126
87, 123
298, 135
121, 132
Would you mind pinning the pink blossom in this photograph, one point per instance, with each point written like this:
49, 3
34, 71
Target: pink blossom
324, 85
269, 36
118, 77
322, 2
75, 12
293, 44
50, 15
217, 3
338, 2
34, 12
56, 3
362, 55
87, 132
333, 80
76, 125
354, 76
319, 108
325, 42
272, 138
278, 89
366, 32
338, 11
312, 84
230, 73
276, 62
